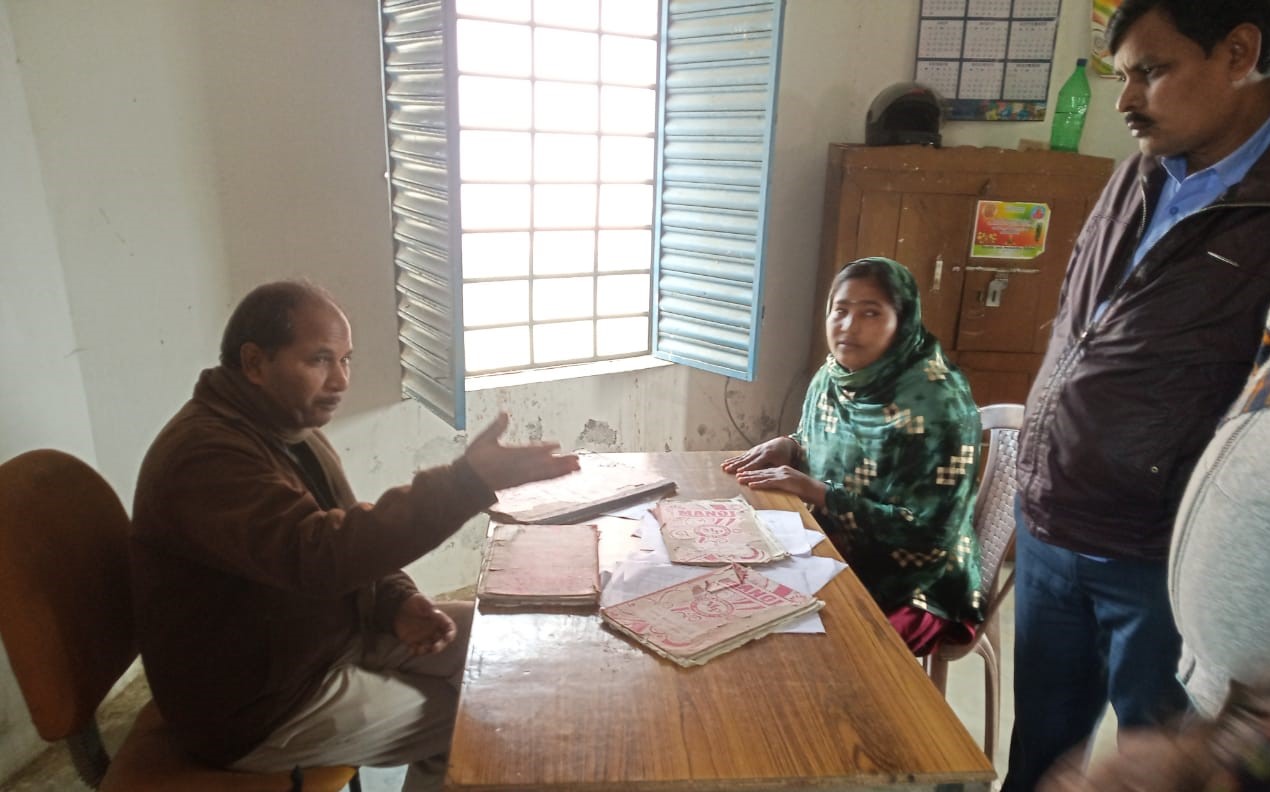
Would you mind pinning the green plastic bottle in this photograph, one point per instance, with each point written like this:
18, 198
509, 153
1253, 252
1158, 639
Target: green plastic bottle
1069, 113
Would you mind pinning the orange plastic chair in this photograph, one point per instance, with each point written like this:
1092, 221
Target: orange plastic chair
66, 621
994, 525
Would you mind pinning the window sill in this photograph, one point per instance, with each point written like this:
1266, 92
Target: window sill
553, 374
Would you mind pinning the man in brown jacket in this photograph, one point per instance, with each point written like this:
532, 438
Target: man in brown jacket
273, 619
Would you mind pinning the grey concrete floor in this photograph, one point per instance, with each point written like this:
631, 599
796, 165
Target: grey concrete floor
53, 771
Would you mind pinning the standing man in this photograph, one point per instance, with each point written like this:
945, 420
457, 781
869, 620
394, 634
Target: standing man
1159, 316
276, 627
1219, 589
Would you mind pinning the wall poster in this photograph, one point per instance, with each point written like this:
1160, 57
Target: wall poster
1099, 55
1010, 229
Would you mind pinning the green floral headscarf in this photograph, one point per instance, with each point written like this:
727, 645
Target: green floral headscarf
897, 443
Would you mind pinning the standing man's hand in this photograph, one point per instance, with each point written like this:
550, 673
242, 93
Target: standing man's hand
501, 466
1145, 761
422, 626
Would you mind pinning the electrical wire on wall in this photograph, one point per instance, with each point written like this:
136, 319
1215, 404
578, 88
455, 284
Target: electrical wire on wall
728, 407
795, 381
797, 384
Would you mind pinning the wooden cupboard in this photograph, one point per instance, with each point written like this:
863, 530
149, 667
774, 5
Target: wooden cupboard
919, 205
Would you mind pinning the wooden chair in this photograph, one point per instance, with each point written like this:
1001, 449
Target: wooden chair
66, 621
994, 525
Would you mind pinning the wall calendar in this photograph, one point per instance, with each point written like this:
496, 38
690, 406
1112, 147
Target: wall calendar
989, 59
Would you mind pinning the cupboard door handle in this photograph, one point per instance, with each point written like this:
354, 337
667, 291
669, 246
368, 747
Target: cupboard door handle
1006, 270
939, 274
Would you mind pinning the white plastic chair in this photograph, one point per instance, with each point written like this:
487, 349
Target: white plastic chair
994, 525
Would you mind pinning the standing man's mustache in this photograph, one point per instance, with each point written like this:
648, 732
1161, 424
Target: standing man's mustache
1137, 118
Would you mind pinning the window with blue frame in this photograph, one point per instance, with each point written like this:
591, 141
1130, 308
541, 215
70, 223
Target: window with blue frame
576, 180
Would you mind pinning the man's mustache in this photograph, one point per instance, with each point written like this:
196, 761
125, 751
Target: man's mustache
1137, 118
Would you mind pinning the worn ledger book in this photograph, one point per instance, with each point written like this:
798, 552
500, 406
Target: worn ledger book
543, 565
695, 621
601, 483
716, 532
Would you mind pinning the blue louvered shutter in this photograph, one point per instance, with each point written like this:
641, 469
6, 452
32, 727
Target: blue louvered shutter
716, 116
422, 123
717, 103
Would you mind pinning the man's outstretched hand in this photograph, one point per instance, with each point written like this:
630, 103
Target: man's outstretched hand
502, 466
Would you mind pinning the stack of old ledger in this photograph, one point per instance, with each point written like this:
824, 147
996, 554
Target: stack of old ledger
712, 532
699, 619
541, 566
599, 484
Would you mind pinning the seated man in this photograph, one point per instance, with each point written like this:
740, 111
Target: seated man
273, 619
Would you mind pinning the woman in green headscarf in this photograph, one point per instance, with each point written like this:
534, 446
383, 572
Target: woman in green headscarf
885, 453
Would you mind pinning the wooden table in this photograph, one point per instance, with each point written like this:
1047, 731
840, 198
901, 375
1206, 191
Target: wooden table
555, 701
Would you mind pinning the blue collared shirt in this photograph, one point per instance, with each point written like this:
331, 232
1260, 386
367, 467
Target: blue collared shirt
1185, 194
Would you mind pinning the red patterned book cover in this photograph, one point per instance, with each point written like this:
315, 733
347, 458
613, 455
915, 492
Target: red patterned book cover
554, 565
715, 532
695, 621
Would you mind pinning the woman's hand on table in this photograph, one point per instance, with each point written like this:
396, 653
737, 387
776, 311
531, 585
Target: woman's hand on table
774, 453
786, 479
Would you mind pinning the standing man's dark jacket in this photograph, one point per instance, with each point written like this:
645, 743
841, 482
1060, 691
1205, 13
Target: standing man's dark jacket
1123, 405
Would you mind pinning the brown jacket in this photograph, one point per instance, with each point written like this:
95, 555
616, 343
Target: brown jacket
248, 581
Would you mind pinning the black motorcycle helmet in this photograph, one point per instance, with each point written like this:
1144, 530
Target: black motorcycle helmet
903, 114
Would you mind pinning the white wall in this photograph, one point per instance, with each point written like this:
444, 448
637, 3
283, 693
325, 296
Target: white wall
168, 156
42, 400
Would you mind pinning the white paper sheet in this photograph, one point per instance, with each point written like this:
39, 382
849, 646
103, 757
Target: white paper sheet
640, 575
635, 511
786, 526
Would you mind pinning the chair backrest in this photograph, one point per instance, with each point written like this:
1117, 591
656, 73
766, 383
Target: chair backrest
994, 506
65, 602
